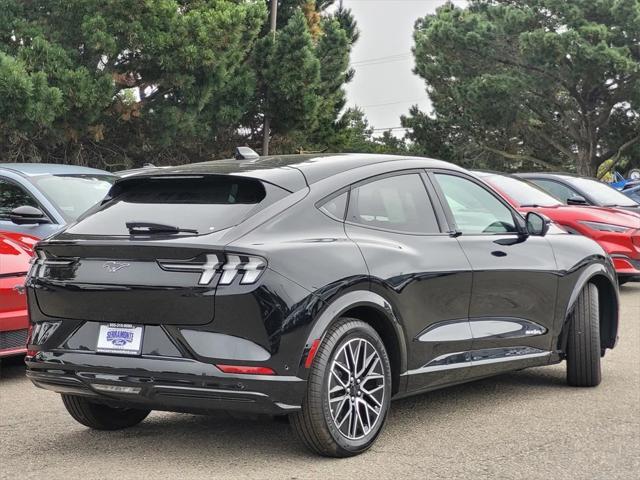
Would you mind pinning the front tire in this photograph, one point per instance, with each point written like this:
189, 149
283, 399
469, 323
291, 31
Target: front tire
102, 417
583, 346
348, 392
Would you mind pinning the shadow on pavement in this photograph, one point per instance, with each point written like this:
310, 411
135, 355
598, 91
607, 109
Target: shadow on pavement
194, 437
12, 367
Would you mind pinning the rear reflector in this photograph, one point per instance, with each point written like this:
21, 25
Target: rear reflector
312, 353
30, 352
246, 370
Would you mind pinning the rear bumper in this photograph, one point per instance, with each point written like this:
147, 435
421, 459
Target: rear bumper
13, 342
162, 383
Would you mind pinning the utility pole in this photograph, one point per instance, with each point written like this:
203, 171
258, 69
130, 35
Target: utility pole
267, 121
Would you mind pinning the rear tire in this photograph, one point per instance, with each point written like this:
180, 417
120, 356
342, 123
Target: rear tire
102, 417
336, 395
583, 346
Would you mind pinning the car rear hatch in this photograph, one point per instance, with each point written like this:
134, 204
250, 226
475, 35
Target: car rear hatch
152, 253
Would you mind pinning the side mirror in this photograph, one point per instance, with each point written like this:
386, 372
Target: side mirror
577, 200
537, 225
26, 215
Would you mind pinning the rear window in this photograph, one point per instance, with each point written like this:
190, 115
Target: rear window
205, 204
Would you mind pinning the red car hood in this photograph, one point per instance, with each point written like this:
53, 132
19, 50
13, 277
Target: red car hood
15, 252
591, 214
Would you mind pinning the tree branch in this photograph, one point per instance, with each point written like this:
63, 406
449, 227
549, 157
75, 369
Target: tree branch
517, 156
561, 148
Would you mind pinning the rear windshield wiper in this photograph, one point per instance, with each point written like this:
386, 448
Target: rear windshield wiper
147, 227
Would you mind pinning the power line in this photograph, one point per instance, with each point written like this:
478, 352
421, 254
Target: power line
385, 59
392, 103
373, 59
391, 128
409, 1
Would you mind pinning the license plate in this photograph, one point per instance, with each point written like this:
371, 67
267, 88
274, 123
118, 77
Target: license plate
122, 338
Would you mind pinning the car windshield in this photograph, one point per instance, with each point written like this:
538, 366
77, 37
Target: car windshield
74, 194
602, 193
522, 192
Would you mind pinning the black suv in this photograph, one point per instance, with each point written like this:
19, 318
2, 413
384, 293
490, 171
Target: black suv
319, 287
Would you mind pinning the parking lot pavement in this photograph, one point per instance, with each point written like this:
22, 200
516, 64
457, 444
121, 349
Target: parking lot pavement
526, 425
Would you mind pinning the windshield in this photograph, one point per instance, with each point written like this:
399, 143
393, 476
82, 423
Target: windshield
601, 193
74, 194
633, 194
522, 192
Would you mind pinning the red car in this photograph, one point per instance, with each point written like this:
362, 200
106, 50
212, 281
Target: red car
617, 231
16, 250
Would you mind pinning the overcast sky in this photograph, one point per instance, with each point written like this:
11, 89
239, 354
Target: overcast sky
384, 85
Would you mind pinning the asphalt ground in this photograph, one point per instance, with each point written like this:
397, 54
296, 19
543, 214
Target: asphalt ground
523, 425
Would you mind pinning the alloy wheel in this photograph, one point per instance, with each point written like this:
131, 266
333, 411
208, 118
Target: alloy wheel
356, 386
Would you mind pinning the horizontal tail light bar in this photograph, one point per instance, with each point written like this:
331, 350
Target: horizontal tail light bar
40, 261
248, 267
231, 265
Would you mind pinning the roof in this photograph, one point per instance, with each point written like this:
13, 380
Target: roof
489, 173
563, 175
289, 171
33, 169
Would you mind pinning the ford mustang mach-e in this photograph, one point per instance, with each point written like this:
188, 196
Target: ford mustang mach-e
319, 287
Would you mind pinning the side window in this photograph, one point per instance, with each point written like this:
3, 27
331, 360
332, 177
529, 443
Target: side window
475, 210
399, 203
13, 196
558, 190
335, 207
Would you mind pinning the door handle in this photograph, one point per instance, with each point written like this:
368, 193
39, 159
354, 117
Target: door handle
499, 253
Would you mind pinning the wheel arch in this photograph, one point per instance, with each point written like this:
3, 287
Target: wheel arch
373, 309
608, 300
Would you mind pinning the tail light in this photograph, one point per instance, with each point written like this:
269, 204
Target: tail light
248, 267
39, 262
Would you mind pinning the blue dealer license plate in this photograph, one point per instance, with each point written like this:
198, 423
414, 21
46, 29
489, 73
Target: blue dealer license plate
122, 338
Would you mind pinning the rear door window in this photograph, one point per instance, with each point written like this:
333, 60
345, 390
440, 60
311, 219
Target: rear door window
335, 206
556, 189
205, 204
399, 203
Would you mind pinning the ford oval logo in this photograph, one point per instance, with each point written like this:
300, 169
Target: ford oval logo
115, 266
